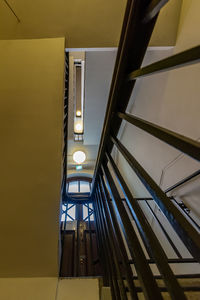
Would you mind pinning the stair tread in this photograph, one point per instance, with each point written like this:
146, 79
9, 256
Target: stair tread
184, 282
190, 296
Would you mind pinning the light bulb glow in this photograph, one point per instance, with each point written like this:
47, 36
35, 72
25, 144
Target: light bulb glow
78, 127
79, 157
78, 113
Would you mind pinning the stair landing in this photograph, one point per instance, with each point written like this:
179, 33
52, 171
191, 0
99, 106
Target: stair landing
78, 288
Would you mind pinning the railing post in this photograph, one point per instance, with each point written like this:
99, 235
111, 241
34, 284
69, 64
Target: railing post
121, 246
148, 283
112, 246
150, 238
106, 273
184, 229
109, 258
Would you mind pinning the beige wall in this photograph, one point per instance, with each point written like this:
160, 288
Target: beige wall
170, 99
90, 23
31, 120
165, 31
48, 289
28, 288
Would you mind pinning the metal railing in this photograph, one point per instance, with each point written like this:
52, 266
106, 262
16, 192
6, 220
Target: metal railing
128, 243
65, 127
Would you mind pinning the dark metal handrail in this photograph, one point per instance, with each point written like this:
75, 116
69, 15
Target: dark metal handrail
188, 57
184, 229
143, 270
190, 177
178, 141
116, 231
65, 127
134, 40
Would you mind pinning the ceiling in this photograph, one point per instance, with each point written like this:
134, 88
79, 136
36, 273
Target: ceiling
89, 23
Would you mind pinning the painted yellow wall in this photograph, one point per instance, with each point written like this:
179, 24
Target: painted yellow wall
170, 99
50, 288
90, 23
28, 288
165, 31
31, 120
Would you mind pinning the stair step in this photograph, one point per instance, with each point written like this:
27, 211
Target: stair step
191, 287
106, 293
166, 296
83, 288
184, 282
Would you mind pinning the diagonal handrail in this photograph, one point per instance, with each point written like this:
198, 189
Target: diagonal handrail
134, 40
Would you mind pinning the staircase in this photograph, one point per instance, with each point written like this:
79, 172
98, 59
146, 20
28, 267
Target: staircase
148, 248
189, 285
91, 288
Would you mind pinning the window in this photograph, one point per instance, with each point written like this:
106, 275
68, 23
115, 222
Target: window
73, 187
63, 213
79, 186
88, 208
84, 187
69, 212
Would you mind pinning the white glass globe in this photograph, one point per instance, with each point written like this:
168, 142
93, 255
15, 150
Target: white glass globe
79, 157
79, 127
78, 113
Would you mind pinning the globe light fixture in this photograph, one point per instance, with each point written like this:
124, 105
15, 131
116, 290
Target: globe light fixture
78, 127
79, 157
78, 113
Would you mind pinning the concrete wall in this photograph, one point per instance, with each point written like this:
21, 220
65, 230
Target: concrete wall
170, 99
48, 289
31, 129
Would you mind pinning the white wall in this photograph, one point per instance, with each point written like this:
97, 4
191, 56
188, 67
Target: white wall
170, 99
